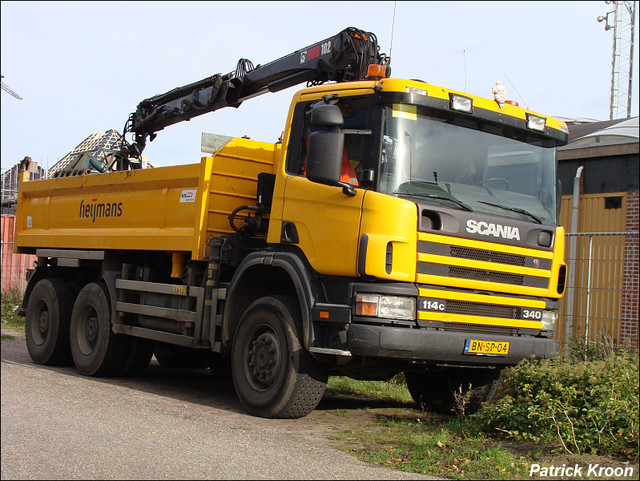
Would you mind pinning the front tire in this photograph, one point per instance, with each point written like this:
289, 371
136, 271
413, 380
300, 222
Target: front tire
437, 390
274, 376
47, 322
96, 350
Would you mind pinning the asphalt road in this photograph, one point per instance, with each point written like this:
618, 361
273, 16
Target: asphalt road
169, 424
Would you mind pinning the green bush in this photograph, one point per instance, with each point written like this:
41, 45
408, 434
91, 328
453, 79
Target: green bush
591, 407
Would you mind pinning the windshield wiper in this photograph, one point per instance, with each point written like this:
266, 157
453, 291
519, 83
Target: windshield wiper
439, 197
514, 209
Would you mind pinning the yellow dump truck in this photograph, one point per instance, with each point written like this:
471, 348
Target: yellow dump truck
396, 226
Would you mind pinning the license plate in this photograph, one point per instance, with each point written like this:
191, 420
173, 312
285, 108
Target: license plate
492, 348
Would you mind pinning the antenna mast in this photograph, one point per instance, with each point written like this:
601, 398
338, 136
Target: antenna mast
624, 18
393, 24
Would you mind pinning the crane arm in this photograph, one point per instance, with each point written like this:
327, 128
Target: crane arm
343, 57
6, 88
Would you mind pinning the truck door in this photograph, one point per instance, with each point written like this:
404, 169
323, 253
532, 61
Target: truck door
321, 219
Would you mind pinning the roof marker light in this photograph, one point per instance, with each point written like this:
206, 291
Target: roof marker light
461, 103
536, 123
415, 90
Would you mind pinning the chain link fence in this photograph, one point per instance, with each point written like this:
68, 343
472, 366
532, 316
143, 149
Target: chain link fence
600, 307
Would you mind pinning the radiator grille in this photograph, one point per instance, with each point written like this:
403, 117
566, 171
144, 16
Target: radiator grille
486, 276
487, 256
479, 328
484, 310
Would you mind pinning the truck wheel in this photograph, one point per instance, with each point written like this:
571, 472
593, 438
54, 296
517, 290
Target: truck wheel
138, 356
274, 376
96, 350
47, 322
180, 357
436, 390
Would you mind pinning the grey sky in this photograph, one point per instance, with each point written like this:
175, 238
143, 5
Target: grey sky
82, 67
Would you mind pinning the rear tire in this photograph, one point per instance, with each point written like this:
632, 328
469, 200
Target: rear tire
138, 356
436, 390
47, 322
96, 350
274, 376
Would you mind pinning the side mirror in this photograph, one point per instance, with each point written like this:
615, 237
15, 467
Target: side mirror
326, 115
324, 159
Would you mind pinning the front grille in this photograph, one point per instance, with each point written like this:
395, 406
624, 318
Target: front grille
485, 266
484, 310
479, 328
487, 256
486, 276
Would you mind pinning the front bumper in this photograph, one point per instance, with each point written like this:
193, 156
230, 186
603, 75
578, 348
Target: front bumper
441, 347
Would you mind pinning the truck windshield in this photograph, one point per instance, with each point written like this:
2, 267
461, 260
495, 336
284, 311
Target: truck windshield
433, 160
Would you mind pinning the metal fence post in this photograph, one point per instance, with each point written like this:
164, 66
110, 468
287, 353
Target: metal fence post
586, 320
572, 260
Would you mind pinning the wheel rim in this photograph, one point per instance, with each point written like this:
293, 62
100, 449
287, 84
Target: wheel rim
40, 329
263, 358
87, 330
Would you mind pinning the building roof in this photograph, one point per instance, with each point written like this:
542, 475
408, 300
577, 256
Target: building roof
607, 132
581, 129
77, 161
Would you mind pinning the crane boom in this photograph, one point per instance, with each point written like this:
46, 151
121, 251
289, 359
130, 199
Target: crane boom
342, 57
6, 88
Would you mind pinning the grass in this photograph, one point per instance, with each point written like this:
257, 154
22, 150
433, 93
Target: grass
423, 442
430, 444
395, 389
450, 446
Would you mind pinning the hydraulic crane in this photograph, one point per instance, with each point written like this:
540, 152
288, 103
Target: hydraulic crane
396, 226
340, 58
6, 88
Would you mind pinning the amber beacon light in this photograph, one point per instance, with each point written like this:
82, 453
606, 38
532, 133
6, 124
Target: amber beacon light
376, 72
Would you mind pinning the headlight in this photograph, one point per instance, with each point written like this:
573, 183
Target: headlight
549, 319
390, 307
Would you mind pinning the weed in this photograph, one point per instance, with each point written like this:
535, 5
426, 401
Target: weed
461, 399
604, 347
11, 300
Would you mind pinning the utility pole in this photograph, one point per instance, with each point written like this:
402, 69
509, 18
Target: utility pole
624, 18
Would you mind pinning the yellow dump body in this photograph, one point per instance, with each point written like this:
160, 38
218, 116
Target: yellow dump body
174, 209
